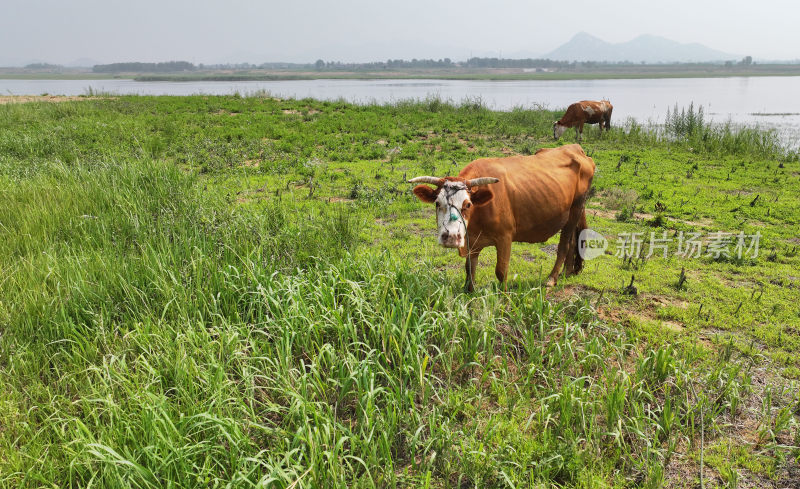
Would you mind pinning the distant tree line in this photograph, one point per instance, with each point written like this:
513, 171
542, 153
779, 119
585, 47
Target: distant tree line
166, 67
515, 63
321, 65
549, 63
252, 66
43, 66
474, 62
390, 64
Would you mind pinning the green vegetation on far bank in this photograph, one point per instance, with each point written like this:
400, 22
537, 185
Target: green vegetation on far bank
8, 74
561, 71
498, 75
224, 291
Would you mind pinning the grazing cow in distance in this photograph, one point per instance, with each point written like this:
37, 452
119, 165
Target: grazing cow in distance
584, 112
496, 201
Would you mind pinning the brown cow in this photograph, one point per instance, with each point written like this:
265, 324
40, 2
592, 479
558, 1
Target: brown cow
528, 199
584, 112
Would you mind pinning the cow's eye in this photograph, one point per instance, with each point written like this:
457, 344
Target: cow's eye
467, 205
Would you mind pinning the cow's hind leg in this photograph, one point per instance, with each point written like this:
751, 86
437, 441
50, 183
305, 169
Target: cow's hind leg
470, 265
574, 260
568, 244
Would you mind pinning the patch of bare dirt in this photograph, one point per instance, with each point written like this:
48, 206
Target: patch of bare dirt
299, 112
740, 284
698, 224
607, 214
469, 146
738, 192
613, 215
655, 301
572, 291
226, 112
610, 315
550, 249
601, 213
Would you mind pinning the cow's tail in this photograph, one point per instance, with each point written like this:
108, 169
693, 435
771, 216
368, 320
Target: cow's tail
576, 261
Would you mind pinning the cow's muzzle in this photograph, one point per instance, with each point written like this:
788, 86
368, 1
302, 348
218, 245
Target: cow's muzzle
449, 240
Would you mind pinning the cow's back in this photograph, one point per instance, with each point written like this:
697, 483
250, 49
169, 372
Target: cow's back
535, 193
585, 112
573, 116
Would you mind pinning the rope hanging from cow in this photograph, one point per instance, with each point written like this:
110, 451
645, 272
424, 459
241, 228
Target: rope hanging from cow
449, 193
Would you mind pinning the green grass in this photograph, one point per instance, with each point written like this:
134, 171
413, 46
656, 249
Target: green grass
226, 291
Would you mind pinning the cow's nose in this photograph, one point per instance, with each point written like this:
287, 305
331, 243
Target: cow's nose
445, 235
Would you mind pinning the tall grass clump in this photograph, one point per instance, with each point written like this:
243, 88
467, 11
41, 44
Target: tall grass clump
689, 126
686, 123
119, 281
133, 239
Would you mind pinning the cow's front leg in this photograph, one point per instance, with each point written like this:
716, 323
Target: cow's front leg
503, 247
579, 131
470, 266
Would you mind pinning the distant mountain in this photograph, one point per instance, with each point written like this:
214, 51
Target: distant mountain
647, 48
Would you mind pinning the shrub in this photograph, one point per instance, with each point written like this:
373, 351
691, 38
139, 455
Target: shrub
616, 198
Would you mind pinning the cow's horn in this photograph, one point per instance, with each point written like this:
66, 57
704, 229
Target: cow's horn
432, 180
481, 181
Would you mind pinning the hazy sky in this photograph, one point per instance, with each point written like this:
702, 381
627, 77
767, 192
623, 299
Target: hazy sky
204, 31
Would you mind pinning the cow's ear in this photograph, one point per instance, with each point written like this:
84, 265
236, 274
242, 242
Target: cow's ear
481, 196
426, 194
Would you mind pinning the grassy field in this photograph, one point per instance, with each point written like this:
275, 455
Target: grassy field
236, 292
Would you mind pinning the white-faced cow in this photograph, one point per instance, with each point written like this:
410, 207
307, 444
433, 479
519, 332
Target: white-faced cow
496, 201
584, 112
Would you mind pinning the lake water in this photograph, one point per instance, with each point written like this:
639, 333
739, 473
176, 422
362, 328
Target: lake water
764, 101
